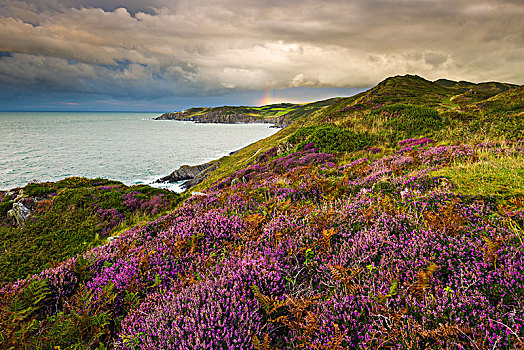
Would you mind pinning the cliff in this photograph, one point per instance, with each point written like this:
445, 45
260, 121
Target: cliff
217, 116
194, 174
280, 115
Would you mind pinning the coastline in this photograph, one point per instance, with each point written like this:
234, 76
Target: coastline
129, 148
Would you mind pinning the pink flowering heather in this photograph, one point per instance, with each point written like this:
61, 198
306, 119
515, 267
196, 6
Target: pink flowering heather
297, 252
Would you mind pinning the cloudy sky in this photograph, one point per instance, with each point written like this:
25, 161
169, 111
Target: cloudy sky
163, 55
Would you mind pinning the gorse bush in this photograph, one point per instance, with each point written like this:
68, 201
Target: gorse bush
511, 127
407, 120
329, 139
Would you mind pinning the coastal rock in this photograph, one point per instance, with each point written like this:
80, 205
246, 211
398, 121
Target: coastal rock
185, 172
19, 213
200, 177
194, 174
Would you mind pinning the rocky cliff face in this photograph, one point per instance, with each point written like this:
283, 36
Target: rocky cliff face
194, 174
19, 214
200, 177
224, 118
21, 209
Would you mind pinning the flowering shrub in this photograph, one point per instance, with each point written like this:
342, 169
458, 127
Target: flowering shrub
374, 150
295, 252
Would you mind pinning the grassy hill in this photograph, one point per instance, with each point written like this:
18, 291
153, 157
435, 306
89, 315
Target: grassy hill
398, 108
390, 219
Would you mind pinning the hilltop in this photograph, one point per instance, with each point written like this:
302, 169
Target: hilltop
390, 219
397, 108
409, 89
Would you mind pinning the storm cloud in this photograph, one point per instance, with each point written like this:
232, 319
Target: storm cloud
165, 48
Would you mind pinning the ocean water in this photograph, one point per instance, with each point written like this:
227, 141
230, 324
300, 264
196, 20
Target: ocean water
129, 147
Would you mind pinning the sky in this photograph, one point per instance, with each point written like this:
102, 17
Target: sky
168, 55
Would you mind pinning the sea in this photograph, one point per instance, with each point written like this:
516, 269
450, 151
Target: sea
128, 147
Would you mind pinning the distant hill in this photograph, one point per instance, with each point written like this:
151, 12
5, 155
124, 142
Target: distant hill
280, 115
442, 94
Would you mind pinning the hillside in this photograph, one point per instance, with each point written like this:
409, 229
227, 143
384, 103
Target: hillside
403, 107
390, 219
56, 221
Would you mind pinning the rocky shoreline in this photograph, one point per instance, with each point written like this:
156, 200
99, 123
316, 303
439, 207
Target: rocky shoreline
192, 174
222, 118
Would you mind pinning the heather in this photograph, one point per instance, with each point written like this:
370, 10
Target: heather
299, 250
69, 217
389, 220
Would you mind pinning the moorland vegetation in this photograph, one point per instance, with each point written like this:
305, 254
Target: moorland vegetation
390, 219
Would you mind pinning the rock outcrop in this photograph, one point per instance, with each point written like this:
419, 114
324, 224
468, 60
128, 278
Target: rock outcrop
185, 172
194, 174
19, 213
200, 177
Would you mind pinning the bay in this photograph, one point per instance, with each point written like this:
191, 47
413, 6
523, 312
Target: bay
128, 147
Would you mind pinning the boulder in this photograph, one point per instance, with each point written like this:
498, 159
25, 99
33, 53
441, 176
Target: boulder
19, 213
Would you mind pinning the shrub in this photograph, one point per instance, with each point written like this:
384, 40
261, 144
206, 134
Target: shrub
36, 190
330, 139
511, 127
5, 206
408, 120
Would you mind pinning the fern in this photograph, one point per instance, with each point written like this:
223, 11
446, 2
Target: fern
446, 219
20, 318
346, 277
269, 303
264, 345
423, 276
491, 250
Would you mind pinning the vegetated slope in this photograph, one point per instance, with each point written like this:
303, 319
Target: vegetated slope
398, 108
409, 89
382, 243
479, 92
506, 103
70, 217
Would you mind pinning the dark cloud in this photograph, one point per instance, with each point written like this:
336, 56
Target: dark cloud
205, 47
435, 59
133, 6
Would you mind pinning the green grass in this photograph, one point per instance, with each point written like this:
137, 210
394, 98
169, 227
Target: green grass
499, 175
246, 156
